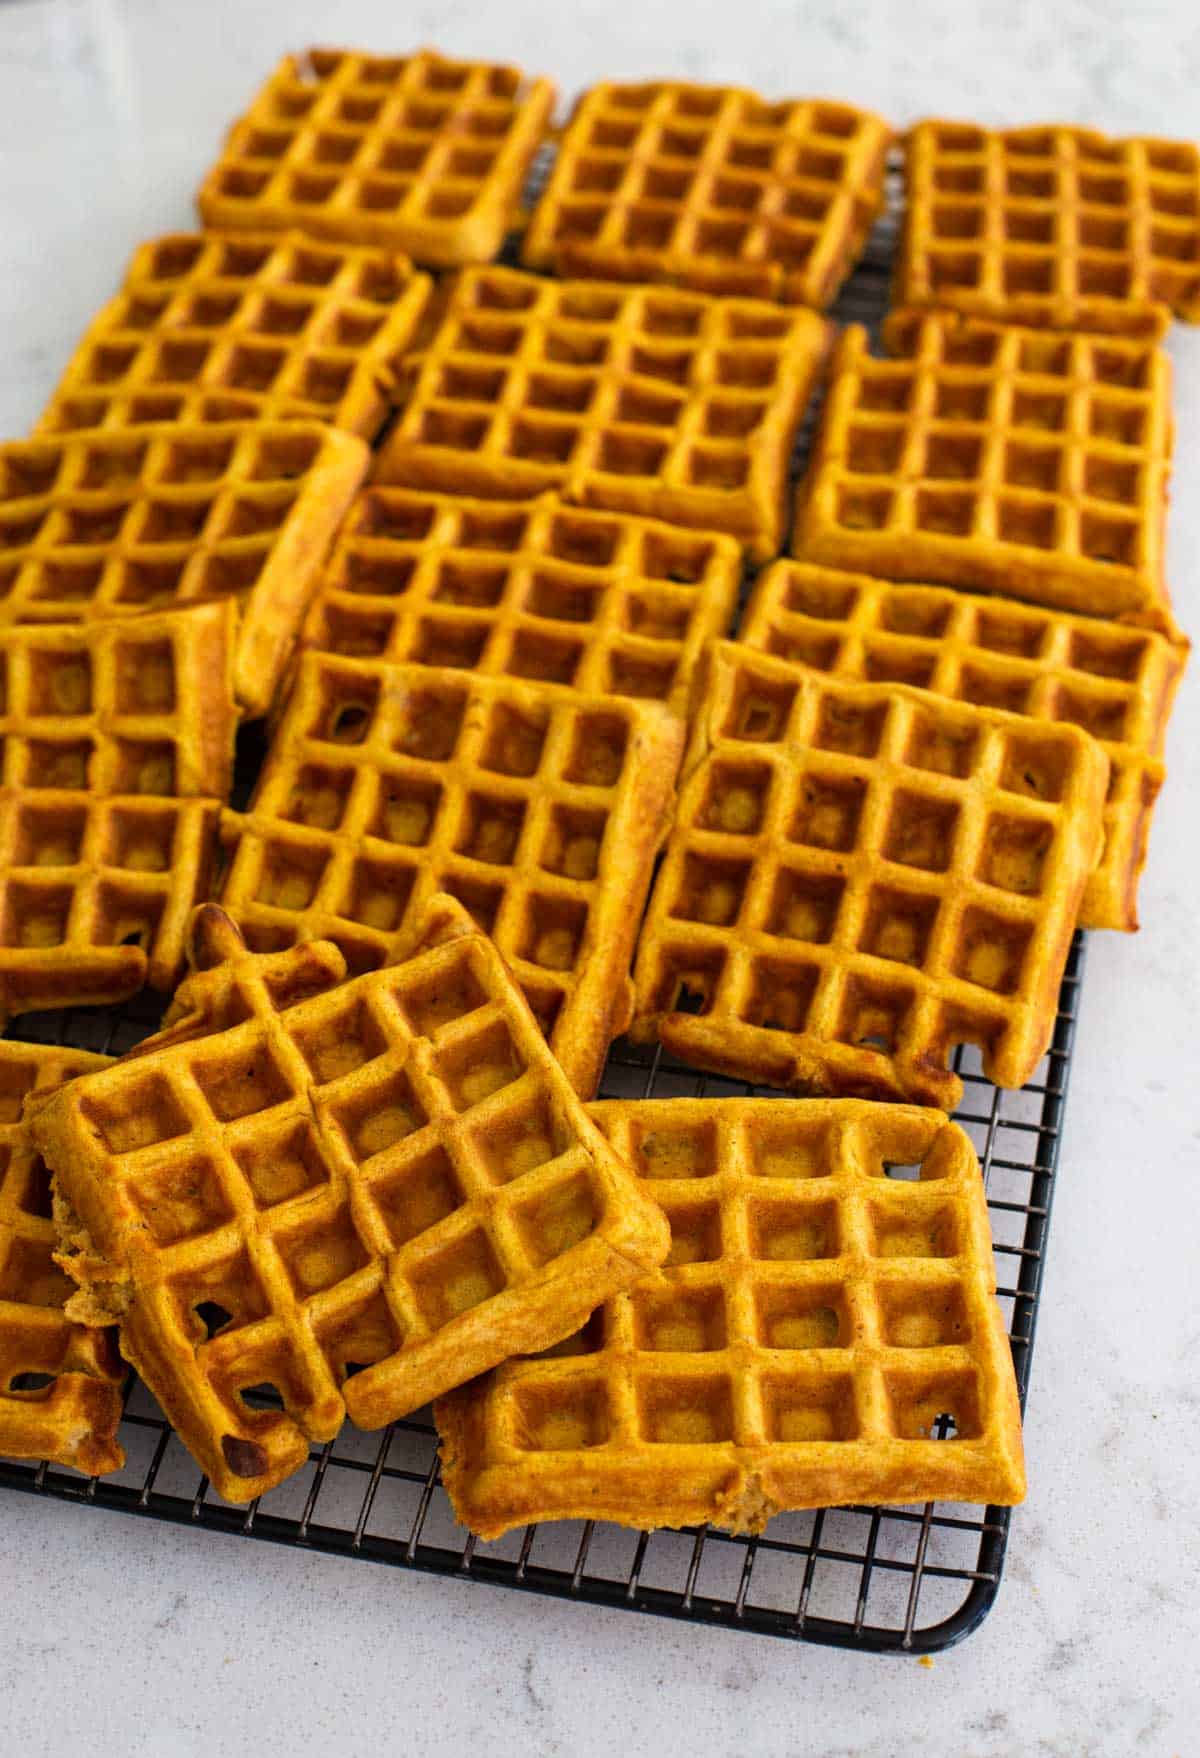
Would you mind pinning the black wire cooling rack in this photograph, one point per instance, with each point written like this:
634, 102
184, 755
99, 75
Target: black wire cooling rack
901, 1579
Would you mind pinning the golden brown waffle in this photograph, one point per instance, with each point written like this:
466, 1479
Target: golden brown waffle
105, 524
827, 1306
244, 326
861, 876
357, 1194
1006, 459
60, 1394
539, 807
1117, 683
412, 153
638, 399
713, 188
1058, 226
606, 602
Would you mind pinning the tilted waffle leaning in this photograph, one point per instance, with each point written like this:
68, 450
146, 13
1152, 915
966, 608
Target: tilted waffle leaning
605, 602
251, 325
60, 1383
861, 876
1054, 225
1115, 682
540, 808
713, 188
640, 399
109, 523
413, 152
359, 1194
826, 1309
1010, 460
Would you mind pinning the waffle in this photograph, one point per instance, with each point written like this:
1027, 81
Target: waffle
638, 399
828, 1305
1057, 226
1117, 683
861, 876
539, 807
605, 602
240, 327
1004, 459
713, 188
412, 153
60, 1395
104, 524
358, 1199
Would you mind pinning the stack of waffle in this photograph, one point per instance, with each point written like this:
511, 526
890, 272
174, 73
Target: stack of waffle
360, 1165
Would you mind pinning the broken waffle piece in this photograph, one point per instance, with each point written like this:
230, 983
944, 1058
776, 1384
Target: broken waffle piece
60, 1382
675, 405
407, 152
356, 1193
825, 1330
713, 188
860, 877
209, 328
1116, 682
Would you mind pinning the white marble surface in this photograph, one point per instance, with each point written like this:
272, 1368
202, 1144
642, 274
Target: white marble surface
136, 1638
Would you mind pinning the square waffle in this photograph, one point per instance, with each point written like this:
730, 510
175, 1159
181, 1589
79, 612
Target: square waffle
861, 876
1010, 460
105, 524
1116, 682
60, 1383
825, 1331
638, 399
539, 807
606, 602
117, 749
356, 1194
220, 329
713, 188
409, 152
1058, 226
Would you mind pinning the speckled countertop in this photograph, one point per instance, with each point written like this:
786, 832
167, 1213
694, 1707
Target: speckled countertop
124, 1637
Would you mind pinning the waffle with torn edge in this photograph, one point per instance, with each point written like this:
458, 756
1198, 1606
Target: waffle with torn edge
117, 749
1051, 226
407, 152
827, 1305
357, 1193
675, 405
60, 1382
1116, 682
860, 877
1010, 460
540, 808
605, 602
105, 523
245, 326
711, 187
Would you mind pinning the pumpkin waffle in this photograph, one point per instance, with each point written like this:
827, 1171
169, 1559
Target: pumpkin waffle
861, 876
644, 400
606, 602
539, 807
60, 1395
242, 327
1057, 226
713, 188
357, 1193
408, 152
105, 524
825, 1331
1117, 683
1011, 460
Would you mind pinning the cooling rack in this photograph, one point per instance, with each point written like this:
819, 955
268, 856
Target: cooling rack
901, 1579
